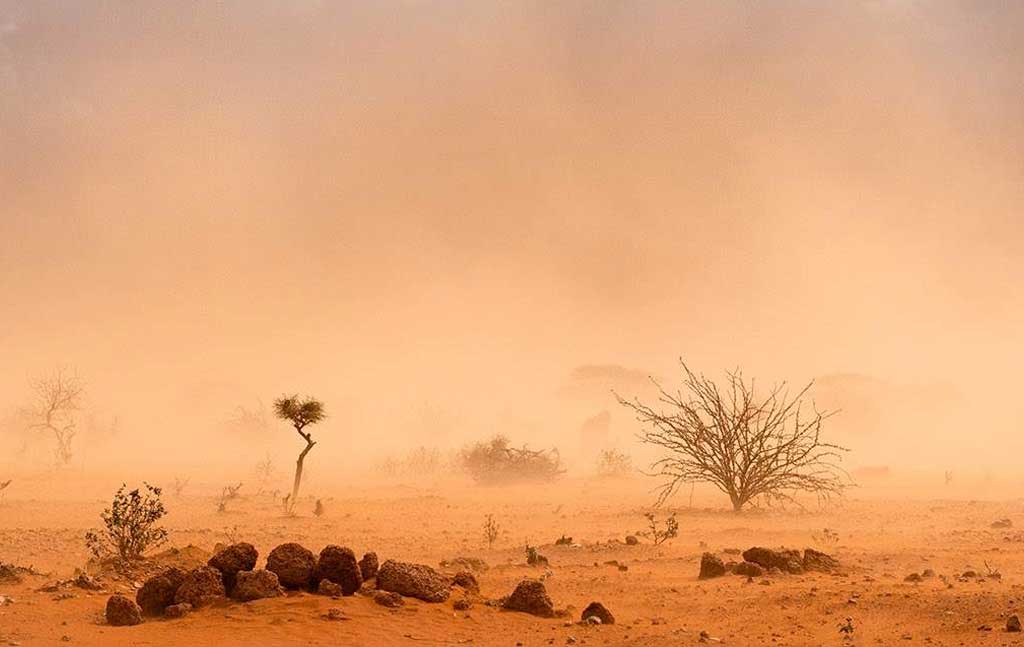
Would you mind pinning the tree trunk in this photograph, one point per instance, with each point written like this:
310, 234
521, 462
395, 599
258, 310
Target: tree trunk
298, 471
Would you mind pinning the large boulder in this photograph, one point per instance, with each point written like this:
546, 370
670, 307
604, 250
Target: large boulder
122, 612
157, 593
711, 566
787, 561
598, 610
530, 597
293, 564
338, 564
413, 580
234, 558
200, 587
368, 566
815, 560
256, 585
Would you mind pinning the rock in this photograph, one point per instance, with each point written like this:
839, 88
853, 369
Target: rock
178, 610
157, 593
1002, 523
462, 604
368, 566
711, 566
465, 563
293, 565
413, 580
388, 599
750, 569
122, 612
913, 577
330, 589
234, 558
200, 587
631, 540
256, 585
467, 581
334, 613
926, 573
787, 561
338, 564
1013, 624
815, 560
598, 610
84, 581
531, 597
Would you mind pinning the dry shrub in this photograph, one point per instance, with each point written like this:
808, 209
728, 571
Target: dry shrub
421, 461
495, 462
129, 525
613, 463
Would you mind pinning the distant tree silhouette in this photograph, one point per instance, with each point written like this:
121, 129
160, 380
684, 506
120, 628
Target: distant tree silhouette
56, 402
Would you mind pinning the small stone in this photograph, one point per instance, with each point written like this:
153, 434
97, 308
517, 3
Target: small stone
329, 589
1013, 624
631, 540
413, 580
368, 566
711, 566
122, 612
462, 604
256, 585
178, 610
338, 564
334, 613
913, 577
232, 559
599, 611
531, 597
750, 569
467, 581
200, 587
388, 599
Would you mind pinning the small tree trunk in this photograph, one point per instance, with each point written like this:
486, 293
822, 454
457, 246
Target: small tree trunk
298, 471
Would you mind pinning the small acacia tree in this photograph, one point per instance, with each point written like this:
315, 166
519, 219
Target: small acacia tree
748, 447
57, 399
300, 413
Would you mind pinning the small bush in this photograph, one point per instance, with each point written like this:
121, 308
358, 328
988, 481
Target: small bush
130, 524
491, 530
421, 461
613, 463
655, 532
495, 462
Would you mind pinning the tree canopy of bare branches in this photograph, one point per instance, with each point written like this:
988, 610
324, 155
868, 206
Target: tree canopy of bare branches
301, 413
766, 448
57, 398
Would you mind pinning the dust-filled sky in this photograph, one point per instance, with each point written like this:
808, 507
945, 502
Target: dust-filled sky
423, 211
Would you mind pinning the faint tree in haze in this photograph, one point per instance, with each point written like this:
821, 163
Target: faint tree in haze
57, 399
300, 413
748, 447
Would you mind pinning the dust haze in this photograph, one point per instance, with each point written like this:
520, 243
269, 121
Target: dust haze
434, 216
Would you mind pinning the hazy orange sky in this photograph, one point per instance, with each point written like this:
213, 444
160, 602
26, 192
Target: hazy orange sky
388, 204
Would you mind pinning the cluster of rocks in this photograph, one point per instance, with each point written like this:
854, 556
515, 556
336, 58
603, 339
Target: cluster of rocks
232, 573
758, 561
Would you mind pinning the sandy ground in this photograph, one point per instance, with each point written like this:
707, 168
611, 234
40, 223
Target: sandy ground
657, 601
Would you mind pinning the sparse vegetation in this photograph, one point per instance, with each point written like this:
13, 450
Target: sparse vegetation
57, 399
827, 537
227, 493
419, 462
300, 413
491, 530
748, 447
612, 463
495, 462
265, 471
129, 525
318, 509
179, 485
3, 488
658, 534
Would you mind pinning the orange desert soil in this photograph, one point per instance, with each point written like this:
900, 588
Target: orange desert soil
657, 601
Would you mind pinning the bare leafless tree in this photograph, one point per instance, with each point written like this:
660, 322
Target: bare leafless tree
750, 448
57, 398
